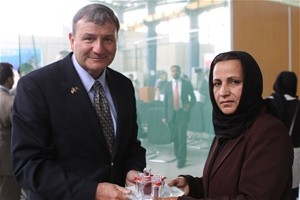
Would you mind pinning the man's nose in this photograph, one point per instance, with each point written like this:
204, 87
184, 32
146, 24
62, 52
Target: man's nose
98, 47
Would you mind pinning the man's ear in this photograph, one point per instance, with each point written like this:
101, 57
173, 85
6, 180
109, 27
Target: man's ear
9, 82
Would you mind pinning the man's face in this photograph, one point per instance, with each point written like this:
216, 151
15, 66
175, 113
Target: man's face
94, 46
175, 72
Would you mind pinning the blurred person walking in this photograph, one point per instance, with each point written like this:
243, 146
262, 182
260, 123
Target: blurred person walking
179, 99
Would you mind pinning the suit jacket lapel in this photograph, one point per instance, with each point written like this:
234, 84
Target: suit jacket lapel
209, 163
213, 162
78, 95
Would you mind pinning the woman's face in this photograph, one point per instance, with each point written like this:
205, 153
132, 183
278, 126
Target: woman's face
228, 85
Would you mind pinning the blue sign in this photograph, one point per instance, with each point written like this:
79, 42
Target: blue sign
19, 56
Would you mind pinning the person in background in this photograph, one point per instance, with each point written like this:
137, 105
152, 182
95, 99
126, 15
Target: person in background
61, 147
251, 155
160, 86
136, 85
23, 69
179, 99
9, 187
203, 86
62, 54
285, 106
33, 61
204, 101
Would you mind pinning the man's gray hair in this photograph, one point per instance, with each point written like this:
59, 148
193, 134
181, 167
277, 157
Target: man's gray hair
95, 13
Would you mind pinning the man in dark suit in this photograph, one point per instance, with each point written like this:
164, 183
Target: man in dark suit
59, 146
179, 99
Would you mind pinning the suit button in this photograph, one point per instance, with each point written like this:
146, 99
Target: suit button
111, 164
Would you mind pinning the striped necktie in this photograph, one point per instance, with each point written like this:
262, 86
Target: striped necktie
103, 111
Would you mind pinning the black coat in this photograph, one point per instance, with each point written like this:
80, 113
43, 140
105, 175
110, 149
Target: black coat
284, 110
59, 150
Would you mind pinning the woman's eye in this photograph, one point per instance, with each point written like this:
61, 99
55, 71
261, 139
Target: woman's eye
235, 82
216, 84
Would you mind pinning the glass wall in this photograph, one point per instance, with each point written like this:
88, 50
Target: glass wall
154, 36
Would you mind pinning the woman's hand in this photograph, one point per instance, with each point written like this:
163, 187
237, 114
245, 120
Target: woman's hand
181, 183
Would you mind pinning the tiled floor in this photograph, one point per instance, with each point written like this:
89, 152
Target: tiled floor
161, 160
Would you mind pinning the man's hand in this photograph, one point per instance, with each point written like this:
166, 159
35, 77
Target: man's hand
111, 191
131, 177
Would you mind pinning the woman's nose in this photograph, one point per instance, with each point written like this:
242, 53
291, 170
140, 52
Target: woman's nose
224, 91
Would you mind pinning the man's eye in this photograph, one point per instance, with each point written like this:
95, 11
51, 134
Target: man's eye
88, 39
108, 39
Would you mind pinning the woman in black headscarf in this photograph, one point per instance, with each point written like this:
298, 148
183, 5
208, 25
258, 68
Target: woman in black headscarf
284, 104
251, 155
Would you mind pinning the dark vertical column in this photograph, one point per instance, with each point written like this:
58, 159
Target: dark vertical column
151, 45
193, 41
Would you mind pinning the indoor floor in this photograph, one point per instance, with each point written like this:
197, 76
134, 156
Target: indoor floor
161, 159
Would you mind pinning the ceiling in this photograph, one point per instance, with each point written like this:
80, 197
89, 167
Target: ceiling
124, 6
128, 5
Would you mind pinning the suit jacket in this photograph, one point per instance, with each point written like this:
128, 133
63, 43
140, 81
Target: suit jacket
6, 102
187, 97
59, 150
255, 165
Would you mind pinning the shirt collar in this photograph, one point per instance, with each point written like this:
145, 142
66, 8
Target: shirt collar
175, 80
289, 97
86, 78
4, 88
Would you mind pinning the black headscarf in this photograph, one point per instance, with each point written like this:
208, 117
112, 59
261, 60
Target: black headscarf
286, 83
233, 125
